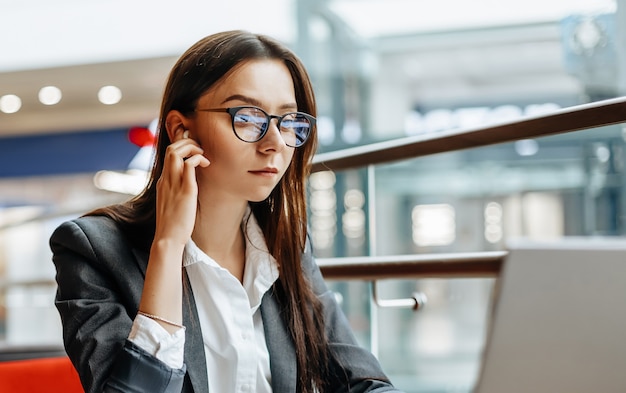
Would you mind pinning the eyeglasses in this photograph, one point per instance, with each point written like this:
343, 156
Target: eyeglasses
250, 124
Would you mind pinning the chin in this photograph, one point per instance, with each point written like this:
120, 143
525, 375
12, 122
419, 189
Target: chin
259, 197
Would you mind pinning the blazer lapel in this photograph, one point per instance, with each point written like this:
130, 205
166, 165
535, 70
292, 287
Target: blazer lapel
283, 363
194, 345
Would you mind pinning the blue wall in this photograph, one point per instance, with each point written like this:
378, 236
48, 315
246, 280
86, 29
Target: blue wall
66, 153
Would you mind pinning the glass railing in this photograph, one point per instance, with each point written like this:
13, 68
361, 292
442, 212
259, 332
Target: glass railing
439, 210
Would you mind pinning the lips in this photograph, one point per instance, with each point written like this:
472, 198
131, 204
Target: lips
265, 171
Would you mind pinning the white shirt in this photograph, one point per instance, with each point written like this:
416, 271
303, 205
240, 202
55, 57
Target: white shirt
230, 318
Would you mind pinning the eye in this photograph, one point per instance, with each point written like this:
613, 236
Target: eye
243, 118
295, 122
250, 115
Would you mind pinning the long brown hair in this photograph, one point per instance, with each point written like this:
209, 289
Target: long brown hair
282, 216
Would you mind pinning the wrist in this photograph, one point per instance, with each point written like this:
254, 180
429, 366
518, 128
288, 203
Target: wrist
167, 246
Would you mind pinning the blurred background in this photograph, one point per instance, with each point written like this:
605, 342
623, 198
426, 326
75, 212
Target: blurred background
80, 88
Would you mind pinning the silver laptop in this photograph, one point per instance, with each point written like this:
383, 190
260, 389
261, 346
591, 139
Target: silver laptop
558, 323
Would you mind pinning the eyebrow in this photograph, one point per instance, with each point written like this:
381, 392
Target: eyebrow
255, 102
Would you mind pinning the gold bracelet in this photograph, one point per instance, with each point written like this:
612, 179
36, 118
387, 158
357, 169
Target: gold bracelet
157, 318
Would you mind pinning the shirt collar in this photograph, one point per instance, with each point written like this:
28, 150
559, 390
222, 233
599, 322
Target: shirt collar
261, 268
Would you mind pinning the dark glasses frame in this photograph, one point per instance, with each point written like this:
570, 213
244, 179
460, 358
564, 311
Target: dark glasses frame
232, 111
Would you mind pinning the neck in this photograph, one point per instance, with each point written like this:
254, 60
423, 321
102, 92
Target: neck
218, 233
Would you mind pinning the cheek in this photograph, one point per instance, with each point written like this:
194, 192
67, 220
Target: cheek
223, 153
208, 145
209, 140
287, 157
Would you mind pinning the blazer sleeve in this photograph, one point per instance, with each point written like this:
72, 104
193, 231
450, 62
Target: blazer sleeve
99, 286
354, 368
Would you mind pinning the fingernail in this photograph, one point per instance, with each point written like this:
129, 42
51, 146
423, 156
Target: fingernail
185, 134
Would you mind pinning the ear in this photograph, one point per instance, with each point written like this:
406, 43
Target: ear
175, 125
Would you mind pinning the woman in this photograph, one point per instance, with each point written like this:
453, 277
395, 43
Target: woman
205, 281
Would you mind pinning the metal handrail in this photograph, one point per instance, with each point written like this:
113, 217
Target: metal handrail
575, 118
476, 264
455, 265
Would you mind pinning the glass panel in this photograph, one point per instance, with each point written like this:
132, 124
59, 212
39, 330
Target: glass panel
436, 349
27, 296
474, 200
30, 209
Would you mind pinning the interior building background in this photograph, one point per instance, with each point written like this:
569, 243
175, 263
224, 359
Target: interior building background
80, 82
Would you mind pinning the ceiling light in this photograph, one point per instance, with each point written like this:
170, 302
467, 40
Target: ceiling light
10, 103
50, 95
109, 95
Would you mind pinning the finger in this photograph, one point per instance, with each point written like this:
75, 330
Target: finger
179, 151
174, 163
180, 141
197, 160
189, 172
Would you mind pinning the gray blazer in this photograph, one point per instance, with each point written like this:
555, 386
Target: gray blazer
100, 277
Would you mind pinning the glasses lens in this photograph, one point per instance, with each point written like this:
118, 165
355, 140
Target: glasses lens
295, 129
249, 124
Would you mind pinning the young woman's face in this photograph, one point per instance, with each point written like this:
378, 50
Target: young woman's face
238, 169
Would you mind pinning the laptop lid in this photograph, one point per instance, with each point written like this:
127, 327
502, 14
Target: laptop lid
558, 321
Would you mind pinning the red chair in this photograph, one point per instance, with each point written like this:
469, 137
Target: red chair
42, 375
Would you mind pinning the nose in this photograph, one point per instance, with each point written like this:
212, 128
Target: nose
273, 139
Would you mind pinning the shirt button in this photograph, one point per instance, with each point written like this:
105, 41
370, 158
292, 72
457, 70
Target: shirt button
246, 388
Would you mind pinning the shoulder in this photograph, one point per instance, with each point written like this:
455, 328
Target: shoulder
90, 226
88, 234
88, 247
